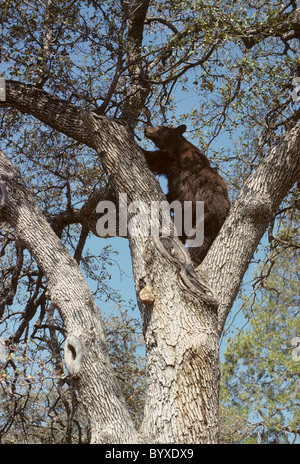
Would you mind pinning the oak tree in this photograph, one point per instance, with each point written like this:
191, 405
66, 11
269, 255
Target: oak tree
81, 80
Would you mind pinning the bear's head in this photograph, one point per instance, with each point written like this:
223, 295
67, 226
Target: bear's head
165, 137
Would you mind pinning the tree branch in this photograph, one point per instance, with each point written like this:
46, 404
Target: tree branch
287, 28
138, 74
151, 19
230, 254
53, 111
82, 215
100, 392
180, 325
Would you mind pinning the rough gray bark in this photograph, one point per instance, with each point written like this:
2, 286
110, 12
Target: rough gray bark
85, 351
248, 220
53, 111
181, 327
139, 80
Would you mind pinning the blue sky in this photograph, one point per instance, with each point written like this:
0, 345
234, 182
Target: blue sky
124, 282
184, 103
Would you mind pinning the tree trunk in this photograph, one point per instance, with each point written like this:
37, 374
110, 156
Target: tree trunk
182, 355
181, 326
86, 354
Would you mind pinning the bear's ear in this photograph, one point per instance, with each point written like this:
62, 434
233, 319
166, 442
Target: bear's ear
181, 129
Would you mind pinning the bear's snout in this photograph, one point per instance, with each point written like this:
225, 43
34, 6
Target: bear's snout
149, 131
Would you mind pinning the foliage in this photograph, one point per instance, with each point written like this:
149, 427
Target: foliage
261, 370
125, 343
39, 403
224, 68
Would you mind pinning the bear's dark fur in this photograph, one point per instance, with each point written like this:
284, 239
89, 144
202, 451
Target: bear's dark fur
190, 177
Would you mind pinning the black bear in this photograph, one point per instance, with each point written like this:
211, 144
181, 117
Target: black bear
190, 178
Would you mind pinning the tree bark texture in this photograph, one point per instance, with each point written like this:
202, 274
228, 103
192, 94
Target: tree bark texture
182, 326
248, 220
85, 350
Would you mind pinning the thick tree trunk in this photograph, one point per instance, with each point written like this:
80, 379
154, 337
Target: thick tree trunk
57, 113
85, 350
181, 325
182, 355
180, 328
